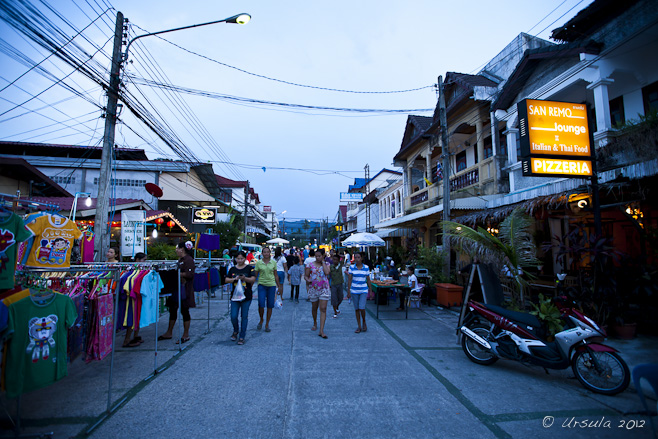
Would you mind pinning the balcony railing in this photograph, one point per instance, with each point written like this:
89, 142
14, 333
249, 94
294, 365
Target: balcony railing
422, 198
468, 178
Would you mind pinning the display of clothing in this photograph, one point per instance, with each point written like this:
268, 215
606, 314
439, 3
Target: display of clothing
54, 236
36, 355
150, 291
87, 247
12, 232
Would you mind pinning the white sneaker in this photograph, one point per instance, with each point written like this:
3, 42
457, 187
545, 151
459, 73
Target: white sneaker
335, 316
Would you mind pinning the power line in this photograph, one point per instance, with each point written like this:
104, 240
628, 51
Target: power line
215, 95
284, 81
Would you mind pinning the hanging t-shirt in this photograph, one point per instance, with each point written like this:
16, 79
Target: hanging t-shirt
54, 240
12, 231
87, 248
150, 291
36, 354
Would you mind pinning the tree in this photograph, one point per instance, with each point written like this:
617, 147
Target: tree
228, 232
306, 227
514, 247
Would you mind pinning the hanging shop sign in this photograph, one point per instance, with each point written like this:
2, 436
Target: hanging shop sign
132, 232
555, 139
204, 215
349, 196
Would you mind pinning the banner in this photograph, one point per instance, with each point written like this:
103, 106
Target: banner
132, 232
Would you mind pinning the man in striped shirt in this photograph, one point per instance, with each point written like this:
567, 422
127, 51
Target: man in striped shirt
358, 284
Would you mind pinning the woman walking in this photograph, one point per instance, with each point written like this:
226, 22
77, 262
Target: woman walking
268, 287
336, 286
359, 286
318, 289
244, 273
281, 266
186, 266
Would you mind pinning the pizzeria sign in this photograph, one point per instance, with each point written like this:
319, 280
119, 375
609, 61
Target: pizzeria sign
554, 139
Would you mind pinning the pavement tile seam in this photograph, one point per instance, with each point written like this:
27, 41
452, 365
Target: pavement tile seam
134, 391
451, 388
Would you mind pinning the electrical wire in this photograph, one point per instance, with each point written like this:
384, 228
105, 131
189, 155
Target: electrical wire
284, 81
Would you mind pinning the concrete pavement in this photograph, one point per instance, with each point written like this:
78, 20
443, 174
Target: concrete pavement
402, 378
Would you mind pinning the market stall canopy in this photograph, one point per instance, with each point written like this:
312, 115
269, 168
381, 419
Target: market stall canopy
278, 241
364, 239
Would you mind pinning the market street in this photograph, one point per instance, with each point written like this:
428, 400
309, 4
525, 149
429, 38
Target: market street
402, 378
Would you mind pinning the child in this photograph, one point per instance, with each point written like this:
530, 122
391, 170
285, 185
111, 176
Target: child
295, 274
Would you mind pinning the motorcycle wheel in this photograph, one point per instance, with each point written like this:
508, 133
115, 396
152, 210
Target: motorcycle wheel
475, 351
612, 379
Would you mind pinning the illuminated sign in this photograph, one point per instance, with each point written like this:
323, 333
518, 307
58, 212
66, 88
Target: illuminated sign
558, 167
553, 128
351, 196
204, 215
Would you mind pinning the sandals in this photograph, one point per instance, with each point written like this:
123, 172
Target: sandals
134, 342
267, 329
259, 326
234, 336
241, 341
357, 331
183, 340
323, 336
162, 337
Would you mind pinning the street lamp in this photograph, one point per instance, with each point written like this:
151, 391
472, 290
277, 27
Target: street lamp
236, 19
100, 225
75, 203
283, 228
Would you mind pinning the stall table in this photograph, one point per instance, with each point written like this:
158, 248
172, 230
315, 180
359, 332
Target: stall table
383, 288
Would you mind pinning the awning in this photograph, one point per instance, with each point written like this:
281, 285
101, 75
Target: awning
252, 229
470, 203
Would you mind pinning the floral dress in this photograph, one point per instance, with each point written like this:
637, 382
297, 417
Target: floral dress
319, 286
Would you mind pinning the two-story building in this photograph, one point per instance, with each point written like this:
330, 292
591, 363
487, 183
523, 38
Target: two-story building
475, 173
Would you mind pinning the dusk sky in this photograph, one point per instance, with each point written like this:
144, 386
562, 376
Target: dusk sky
297, 158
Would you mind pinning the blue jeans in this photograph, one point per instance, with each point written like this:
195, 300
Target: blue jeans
266, 293
235, 308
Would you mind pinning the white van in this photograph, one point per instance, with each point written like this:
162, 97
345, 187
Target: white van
246, 247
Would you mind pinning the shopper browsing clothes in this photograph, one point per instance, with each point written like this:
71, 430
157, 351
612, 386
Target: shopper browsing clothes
241, 272
318, 290
186, 266
359, 286
268, 286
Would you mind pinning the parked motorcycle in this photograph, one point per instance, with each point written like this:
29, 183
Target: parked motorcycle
492, 332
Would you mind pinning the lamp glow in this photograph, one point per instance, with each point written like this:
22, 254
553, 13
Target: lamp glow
155, 233
243, 19
88, 201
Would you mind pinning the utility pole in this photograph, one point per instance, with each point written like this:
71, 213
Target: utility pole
101, 228
443, 120
246, 205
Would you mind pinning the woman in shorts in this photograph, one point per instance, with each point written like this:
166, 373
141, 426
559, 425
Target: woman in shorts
318, 289
359, 286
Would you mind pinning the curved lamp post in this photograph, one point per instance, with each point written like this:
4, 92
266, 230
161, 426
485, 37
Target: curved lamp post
236, 19
75, 203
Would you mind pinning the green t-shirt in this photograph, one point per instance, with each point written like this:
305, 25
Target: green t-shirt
12, 231
266, 273
36, 355
336, 273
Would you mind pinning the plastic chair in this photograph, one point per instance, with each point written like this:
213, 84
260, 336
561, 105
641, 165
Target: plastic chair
415, 296
649, 372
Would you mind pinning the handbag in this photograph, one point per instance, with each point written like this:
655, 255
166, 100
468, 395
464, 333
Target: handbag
238, 293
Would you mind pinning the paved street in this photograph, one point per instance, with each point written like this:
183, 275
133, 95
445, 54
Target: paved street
402, 378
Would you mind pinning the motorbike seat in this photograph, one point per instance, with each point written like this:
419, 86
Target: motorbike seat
519, 317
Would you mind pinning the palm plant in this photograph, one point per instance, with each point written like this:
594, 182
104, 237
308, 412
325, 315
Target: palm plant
514, 247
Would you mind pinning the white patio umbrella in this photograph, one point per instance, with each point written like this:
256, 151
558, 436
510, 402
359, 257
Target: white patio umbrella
364, 239
278, 241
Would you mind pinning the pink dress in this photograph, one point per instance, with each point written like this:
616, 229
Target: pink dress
319, 286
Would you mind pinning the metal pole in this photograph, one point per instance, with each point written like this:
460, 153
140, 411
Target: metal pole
179, 315
114, 336
102, 241
246, 201
446, 174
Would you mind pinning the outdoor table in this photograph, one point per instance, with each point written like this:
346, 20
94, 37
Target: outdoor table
382, 288
544, 286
